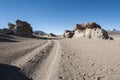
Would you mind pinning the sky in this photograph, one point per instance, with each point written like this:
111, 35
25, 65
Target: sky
58, 15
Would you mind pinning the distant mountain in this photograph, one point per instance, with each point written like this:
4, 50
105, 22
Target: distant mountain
113, 32
39, 32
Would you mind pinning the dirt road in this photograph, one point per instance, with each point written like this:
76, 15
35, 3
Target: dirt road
40, 59
66, 59
36, 59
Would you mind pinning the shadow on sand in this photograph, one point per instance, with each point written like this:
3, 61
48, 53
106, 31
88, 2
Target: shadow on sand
7, 40
48, 38
6, 36
8, 72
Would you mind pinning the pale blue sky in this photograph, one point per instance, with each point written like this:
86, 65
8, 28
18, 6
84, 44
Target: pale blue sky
57, 15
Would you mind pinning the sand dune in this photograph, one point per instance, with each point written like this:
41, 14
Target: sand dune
63, 59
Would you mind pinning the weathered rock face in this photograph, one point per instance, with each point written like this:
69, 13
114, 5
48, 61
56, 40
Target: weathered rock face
92, 25
79, 33
68, 34
79, 27
89, 25
89, 30
23, 28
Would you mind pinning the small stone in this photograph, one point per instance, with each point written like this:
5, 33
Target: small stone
68, 57
62, 55
93, 64
99, 78
60, 77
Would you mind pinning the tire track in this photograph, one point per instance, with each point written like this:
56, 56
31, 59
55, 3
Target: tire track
53, 62
47, 70
30, 62
17, 52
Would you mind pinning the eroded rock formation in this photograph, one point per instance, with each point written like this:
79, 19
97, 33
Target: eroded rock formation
89, 30
22, 28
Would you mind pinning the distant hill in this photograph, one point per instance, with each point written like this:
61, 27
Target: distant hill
40, 32
113, 32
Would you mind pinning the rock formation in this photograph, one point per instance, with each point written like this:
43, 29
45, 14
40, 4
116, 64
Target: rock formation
51, 35
89, 30
11, 26
22, 28
68, 34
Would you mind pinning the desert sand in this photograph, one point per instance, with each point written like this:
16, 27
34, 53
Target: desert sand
60, 59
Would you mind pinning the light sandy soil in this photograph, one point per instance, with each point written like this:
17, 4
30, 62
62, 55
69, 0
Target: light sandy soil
65, 59
85, 59
10, 51
116, 36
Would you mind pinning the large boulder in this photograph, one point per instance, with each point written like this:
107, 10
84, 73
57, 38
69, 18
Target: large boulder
68, 34
51, 35
23, 28
90, 30
11, 26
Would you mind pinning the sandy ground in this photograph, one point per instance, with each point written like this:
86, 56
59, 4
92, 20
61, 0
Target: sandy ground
116, 36
63, 59
85, 59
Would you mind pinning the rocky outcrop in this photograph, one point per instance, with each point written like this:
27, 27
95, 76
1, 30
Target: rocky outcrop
92, 25
11, 26
68, 34
89, 30
22, 28
79, 27
51, 35
89, 25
